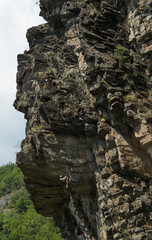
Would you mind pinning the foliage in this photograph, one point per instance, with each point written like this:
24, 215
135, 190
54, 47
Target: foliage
21, 221
27, 225
27, 148
138, 162
20, 201
11, 179
122, 54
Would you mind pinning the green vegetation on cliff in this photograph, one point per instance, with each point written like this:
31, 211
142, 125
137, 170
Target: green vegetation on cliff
18, 219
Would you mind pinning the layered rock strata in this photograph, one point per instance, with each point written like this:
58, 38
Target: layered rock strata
85, 88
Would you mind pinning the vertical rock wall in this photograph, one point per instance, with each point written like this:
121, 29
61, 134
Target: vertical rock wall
85, 88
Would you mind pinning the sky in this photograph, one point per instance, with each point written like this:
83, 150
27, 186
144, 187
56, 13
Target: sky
15, 18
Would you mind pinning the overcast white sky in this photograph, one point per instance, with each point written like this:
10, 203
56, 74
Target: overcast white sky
15, 18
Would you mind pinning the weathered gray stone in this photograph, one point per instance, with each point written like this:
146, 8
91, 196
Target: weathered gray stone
85, 89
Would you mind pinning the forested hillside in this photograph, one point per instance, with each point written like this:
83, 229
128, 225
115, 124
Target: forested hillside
18, 218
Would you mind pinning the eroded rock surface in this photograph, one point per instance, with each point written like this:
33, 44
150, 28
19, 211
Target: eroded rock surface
85, 88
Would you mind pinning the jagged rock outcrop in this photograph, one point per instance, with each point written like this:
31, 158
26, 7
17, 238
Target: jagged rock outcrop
85, 88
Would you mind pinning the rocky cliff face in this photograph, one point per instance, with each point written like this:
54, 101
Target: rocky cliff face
85, 88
